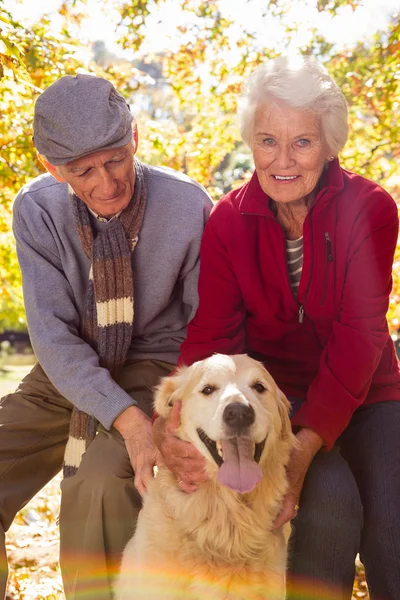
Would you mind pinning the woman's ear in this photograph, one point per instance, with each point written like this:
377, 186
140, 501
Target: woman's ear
166, 394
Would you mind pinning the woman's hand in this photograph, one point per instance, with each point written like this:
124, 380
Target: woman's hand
300, 460
182, 458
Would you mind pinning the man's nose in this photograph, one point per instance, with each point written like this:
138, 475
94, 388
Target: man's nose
106, 184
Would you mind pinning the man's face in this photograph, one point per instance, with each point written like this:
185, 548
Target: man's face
103, 180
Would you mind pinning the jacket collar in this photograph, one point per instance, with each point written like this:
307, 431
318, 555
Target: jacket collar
254, 201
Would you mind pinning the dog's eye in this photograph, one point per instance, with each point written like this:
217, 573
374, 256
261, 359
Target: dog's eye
259, 387
208, 389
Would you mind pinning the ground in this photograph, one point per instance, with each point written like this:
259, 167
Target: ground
32, 548
32, 541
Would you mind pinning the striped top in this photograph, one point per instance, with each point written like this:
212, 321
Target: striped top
294, 259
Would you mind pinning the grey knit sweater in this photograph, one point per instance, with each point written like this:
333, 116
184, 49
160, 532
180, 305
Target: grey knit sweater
55, 275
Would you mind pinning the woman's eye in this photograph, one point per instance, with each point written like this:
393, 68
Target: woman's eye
303, 142
269, 141
259, 387
208, 390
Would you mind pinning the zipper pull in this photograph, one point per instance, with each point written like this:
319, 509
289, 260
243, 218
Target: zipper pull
328, 247
301, 314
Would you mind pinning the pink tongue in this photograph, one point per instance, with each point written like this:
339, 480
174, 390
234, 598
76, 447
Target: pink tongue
239, 471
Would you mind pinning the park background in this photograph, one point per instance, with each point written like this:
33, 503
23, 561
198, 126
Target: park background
180, 64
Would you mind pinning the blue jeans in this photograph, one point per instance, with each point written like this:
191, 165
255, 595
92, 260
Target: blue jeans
350, 503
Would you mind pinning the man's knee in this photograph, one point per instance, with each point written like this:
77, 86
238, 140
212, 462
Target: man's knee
105, 463
104, 481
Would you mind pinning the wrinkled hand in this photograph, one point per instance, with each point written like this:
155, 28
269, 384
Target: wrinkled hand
136, 429
182, 458
300, 460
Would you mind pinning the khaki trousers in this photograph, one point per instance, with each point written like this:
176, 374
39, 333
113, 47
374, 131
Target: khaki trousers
99, 505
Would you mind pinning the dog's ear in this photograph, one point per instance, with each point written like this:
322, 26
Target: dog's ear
166, 394
284, 410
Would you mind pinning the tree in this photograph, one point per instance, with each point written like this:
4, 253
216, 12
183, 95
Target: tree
30, 60
198, 131
207, 84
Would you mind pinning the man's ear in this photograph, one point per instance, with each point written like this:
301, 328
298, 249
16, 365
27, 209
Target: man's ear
51, 169
135, 138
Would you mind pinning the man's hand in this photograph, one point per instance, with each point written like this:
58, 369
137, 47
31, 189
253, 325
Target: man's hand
300, 459
136, 429
182, 458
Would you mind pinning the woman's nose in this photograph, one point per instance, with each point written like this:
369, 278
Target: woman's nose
284, 158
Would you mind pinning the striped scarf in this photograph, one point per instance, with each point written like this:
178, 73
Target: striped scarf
108, 317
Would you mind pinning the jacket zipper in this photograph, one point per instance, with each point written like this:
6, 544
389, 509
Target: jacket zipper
329, 259
301, 307
328, 247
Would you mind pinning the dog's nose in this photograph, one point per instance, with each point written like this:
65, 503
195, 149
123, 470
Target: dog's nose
238, 415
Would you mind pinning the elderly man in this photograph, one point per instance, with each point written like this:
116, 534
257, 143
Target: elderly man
98, 227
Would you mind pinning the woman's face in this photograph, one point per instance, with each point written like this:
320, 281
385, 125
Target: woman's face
289, 152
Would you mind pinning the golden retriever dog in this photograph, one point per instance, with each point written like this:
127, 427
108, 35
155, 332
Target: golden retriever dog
219, 542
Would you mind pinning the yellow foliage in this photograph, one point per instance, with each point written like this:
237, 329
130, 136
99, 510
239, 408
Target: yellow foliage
198, 133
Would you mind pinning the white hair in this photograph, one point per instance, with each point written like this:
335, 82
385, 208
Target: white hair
301, 83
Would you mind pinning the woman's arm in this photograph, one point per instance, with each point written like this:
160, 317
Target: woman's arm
360, 334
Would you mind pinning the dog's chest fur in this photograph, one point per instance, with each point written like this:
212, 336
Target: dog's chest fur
222, 525
221, 540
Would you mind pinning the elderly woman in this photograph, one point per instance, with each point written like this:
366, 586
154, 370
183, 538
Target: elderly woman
296, 271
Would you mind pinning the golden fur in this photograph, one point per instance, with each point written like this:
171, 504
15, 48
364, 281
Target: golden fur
214, 544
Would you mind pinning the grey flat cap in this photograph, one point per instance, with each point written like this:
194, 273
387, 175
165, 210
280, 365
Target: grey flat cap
79, 115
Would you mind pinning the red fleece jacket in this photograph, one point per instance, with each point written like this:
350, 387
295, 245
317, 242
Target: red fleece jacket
330, 345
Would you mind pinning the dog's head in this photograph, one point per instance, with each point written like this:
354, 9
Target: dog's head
232, 411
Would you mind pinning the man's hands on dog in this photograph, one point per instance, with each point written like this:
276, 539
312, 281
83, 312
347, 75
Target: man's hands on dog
136, 429
300, 460
182, 458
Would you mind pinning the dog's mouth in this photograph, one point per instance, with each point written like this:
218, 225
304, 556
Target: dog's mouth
237, 459
216, 450
211, 447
